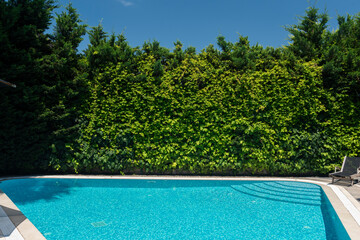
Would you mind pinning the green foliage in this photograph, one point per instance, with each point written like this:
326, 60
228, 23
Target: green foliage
24, 136
342, 58
106, 51
239, 109
308, 36
239, 55
66, 90
197, 118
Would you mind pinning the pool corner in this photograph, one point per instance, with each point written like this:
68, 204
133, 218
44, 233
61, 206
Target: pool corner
14, 224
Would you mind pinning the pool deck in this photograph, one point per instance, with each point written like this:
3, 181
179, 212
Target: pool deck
344, 198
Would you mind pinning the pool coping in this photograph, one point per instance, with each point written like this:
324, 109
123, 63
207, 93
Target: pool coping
345, 205
17, 223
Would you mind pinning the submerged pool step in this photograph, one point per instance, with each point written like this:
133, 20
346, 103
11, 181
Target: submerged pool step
264, 190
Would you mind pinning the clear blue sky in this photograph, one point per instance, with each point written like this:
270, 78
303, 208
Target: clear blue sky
198, 22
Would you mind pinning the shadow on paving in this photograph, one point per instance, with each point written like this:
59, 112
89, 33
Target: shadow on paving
15, 217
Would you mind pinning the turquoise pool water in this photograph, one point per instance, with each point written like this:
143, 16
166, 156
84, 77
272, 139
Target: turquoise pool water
175, 209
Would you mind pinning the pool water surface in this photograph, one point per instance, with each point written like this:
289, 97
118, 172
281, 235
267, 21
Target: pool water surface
175, 209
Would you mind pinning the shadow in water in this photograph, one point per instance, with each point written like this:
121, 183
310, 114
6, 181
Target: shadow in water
23, 191
334, 227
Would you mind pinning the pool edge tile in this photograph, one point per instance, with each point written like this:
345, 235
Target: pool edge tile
351, 226
22, 224
351, 198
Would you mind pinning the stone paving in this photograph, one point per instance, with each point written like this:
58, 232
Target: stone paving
353, 190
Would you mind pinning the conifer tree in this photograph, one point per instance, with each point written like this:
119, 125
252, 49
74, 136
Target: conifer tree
104, 51
24, 135
307, 37
342, 58
65, 83
179, 55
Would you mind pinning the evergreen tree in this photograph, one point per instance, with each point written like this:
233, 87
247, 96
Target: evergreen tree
24, 135
242, 55
342, 58
104, 51
178, 55
238, 56
159, 53
65, 85
307, 40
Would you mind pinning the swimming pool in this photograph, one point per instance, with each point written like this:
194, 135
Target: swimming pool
175, 209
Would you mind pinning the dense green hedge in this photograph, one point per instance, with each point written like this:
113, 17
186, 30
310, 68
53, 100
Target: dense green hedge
238, 109
202, 119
